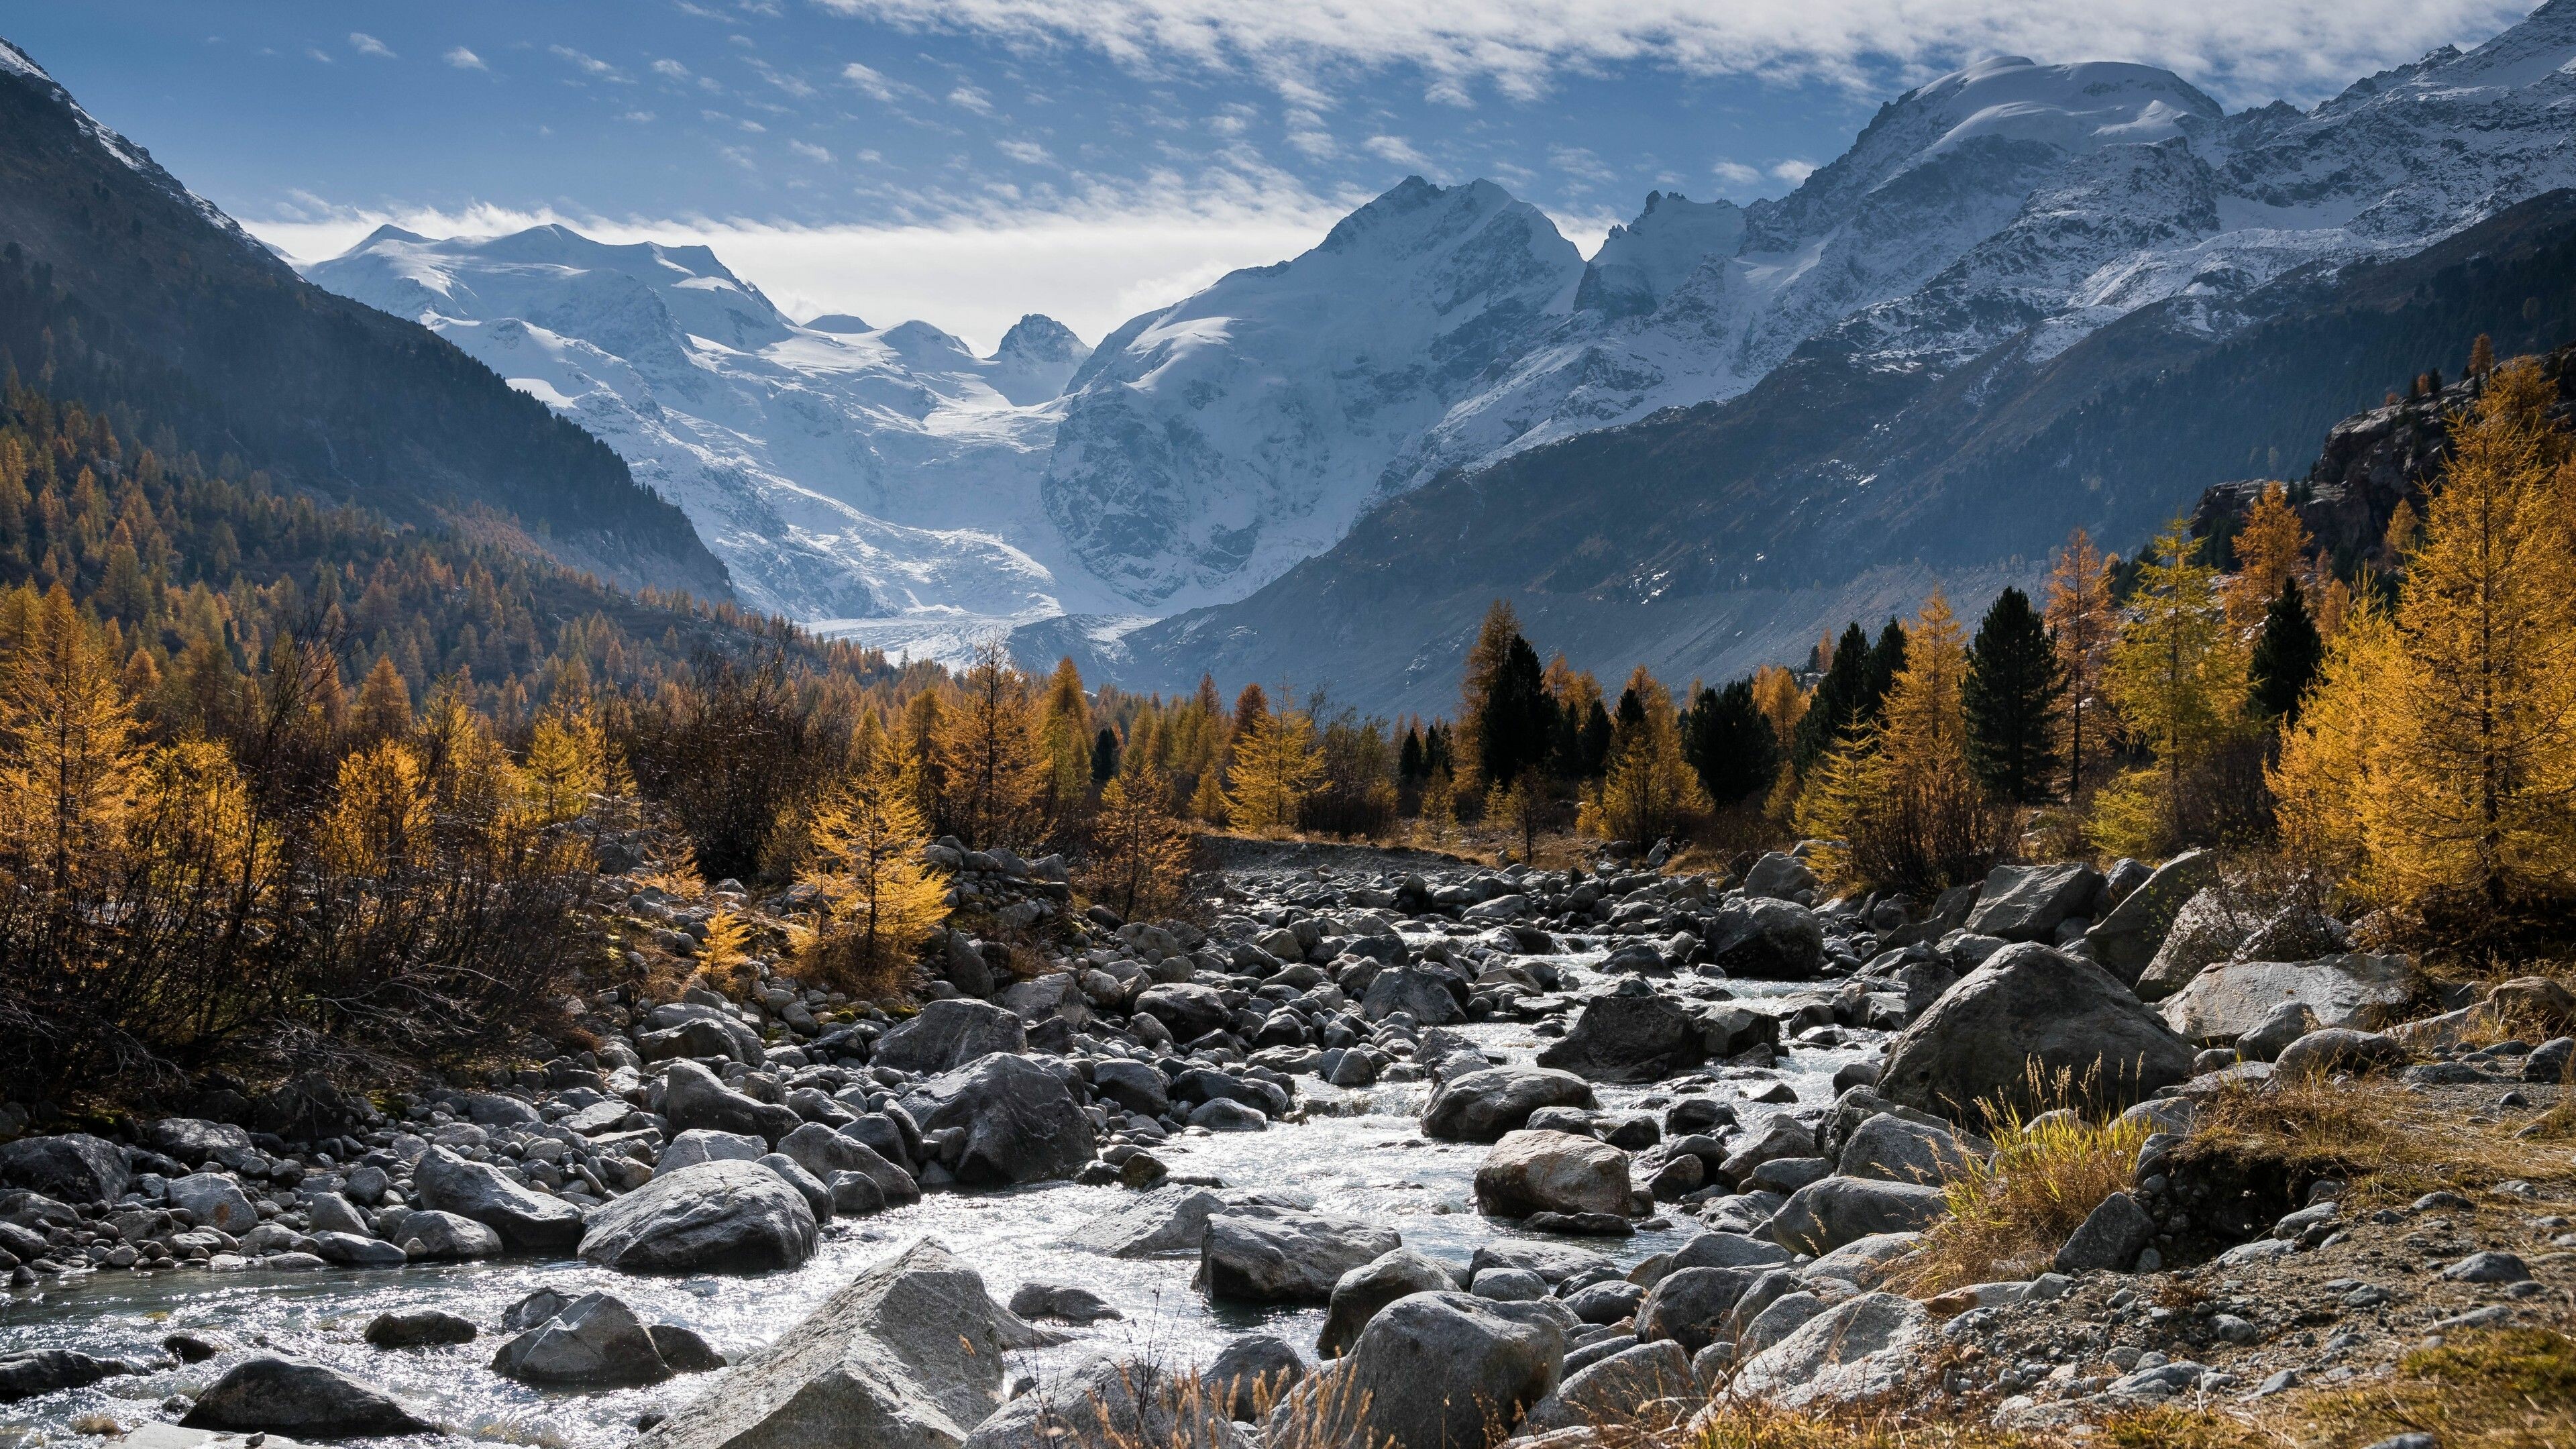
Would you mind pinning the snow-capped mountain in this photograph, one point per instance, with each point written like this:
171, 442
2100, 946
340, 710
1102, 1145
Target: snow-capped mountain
884, 480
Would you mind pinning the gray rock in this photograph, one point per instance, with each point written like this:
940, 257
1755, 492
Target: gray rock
1022, 1122
1621, 1389
2110, 1237
1729, 1250
1136, 1086
304, 1400
1826, 1215
1778, 876
1358, 1295
1781, 1136
2207, 930
1061, 1302
2340, 1049
1773, 940
1252, 1373
690, 1029
1533, 1172
1605, 1303
1223, 1115
1621, 1038
215, 1201
2489, 1267
1166, 1220
30, 1373
525, 1221
2230, 999
714, 1217
818, 1198
1430, 1371
684, 1351
1854, 1350
1420, 990
194, 1140
2026, 902
1892, 1149
358, 1250
827, 1153
1557, 1263
692, 1096
908, 1355
1106, 1405
2029, 1003
2265, 1040
595, 1342
2125, 941
330, 1212
946, 1035
449, 1236
1785, 1315
1687, 1304
427, 1328
701, 1144
1286, 1257
71, 1167
1480, 1106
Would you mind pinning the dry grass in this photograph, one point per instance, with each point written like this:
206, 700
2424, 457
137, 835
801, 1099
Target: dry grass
2504, 1389
2009, 1216
2386, 1141
1752, 1424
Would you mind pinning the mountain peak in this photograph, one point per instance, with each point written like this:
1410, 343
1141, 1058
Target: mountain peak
1040, 337
838, 322
1639, 264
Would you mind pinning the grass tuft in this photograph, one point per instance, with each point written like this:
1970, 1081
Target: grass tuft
2009, 1215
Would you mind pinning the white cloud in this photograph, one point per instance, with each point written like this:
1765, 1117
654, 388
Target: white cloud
320, 54
1027, 153
1793, 172
1091, 266
365, 44
810, 151
1735, 173
2246, 52
589, 65
671, 70
971, 99
1395, 149
640, 118
464, 59
868, 80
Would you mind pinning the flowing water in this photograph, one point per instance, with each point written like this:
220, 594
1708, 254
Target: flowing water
1360, 1154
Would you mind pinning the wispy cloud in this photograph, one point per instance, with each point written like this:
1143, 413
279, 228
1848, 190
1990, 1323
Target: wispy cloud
810, 151
968, 98
1793, 172
1027, 153
590, 65
1395, 149
464, 59
869, 80
2246, 52
670, 70
365, 44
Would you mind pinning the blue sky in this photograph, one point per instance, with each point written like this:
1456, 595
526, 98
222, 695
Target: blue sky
967, 160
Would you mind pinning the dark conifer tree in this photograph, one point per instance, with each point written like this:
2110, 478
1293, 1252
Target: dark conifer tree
2010, 697
2286, 656
1408, 760
1596, 741
1517, 724
1104, 756
1836, 705
1731, 745
1886, 661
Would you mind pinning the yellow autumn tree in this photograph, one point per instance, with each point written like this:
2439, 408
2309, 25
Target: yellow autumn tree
2080, 619
1649, 790
2443, 762
1901, 804
568, 764
1064, 738
1777, 695
1140, 853
379, 822
69, 736
1275, 768
383, 710
2177, 675
880, 902
989, 754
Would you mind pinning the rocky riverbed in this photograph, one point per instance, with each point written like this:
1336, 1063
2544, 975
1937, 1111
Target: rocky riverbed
1570, 1143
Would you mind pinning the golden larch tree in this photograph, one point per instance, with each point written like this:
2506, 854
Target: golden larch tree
1649, 790
880, 901
989, 753
1140, 854
1276, 766
2080, 619
1902, 803
67, 780
2177, 675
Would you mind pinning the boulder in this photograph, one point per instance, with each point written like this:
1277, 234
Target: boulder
1623, 1389
1186, 1009
700, 1144
1286, 1257
2028, 1003
2207, 930
2126, 940
1103, 1404
358, 1250
427, 1328
1420, 990
447, 1235
1056, 995
1687, 1305
1480, 1106
29, 1373
303, 1400
215, 1201
2230, 999
1166, 1220
194, 1140
1535, 1172
2110, 1237
1361, 1292
1623, 1038
1781, 1135
948, 1034
1828, 1213
818, 1198
1432, 1371
1061, 1302
1022, 1122
2266, 1039
713, 1217
2027, 902
2340, 1049
693, 1029
1251, 1374
1771, 939
72, 1167
1778, 875
1858, 1349
826, 1153
1892, 1149
525, 1221
908, 1355
692, 1096
595, 1342
1137, 1086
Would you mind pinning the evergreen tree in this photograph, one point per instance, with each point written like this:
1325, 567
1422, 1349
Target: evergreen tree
1064, 738
2010, 696
2177, 674
1836, 706
1515, 724
1732, 747
1886, 661
1594, 741
1408, 759
1104, 756
2286, 656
